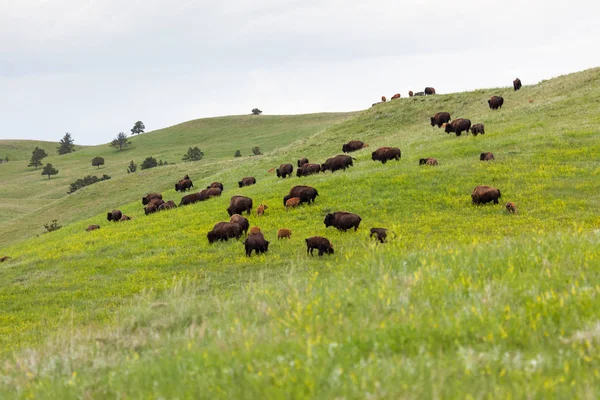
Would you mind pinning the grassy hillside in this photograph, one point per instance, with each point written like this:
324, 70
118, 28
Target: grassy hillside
465, 301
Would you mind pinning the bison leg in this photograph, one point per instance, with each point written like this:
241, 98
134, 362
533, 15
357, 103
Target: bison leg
320, 252
496, 201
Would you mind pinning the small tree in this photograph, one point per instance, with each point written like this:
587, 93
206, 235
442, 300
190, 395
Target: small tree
138, 128
237, 153
66, 144
256, 111
193, 154
36, 157
54, 226
149, 162
97, 161
256, 151
120, 141
49, 170
132, 167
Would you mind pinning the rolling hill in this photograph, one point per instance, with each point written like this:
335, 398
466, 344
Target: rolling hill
465, 301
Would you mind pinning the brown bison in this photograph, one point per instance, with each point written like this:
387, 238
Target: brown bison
115, 215
306, 194
152, 206
167, 205
183, 185
384, 154
428, 161
216, 185
302, 161
484, 194
410, 93
420, 94
192, 198
477, 129
125, 218
396, 96
458, 126
374, 104
284, 170
383, 99
291, 203
495, 102
146, 199
308, 169
92, 228
254, 229
429, 91
256, 242
440, 118
380, 234
320, 243
247, 181
260, 211
342, 220
284, 233
336, 163
212, 192
488, 156
239, 204
353, 145
517, 84
5, 258
241, 221
511, 207
223, 231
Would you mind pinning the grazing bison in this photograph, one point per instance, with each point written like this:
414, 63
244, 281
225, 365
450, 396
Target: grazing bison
212, 192
167, 205
223, 231
247, 181
484, 194
115, 215
241, 221
342, 221
284, 233
517, 84
192, 198
308, 169
336, 163
5, 258
216, 185
92, 228
410, 93
284, 170
353, 145
320, 243
428, 161
305, 193
125, 218
256, 242
183, 185
511, 208
146, 199
291, 203
495, 102
150, 208
302, 161
420, 94
429, 91
477, 129
384, 154
440, 118
239, 204
396, 96
488, 156
260, 211
383, 99
458, 126
380, 234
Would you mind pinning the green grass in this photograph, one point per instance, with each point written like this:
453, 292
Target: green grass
466, 301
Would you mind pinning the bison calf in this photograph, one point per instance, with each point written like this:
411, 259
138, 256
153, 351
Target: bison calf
511, 207
380, 234
254, 229
428, 161
477, 129
291, 203
284, 233
342, 220
483, 194
486, 156
320, 243
260, 211
92, 227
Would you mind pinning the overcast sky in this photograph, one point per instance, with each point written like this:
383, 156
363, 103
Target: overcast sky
94, 67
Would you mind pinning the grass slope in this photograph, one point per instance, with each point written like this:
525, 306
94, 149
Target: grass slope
466, 301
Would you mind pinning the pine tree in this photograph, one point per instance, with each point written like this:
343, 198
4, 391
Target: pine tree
120, 141
193, 154
49, 170
149, 162
66, 144
138, 128
36, 157
132, 167
237, 153
256, 151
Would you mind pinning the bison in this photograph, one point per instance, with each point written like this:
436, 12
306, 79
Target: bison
384, 154
383, 99
284, 170
284, 233
223, 231
92, 228
212, 192
302, 161
5, 258
183, 185
125, 218
458, 126
428, 161
380, 234
511, 207
484, 194
353, 145
239, 204
114, 215
241, 221
167, 205
254, 229
410, 93
429, 91
342, 220
488, 156
477, 129
308, 169
260, 211
153, 205
420, 94
291, 203
495, 102
320, 243
306, 194
216, 185
396, 96
256, 242
336, 163
247, 181
517, 84
146, 199
192, 198
440, 118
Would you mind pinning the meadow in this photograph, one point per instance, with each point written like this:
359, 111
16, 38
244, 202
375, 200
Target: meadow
466, 302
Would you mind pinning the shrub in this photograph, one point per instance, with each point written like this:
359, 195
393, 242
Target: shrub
54, 226
86, 181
